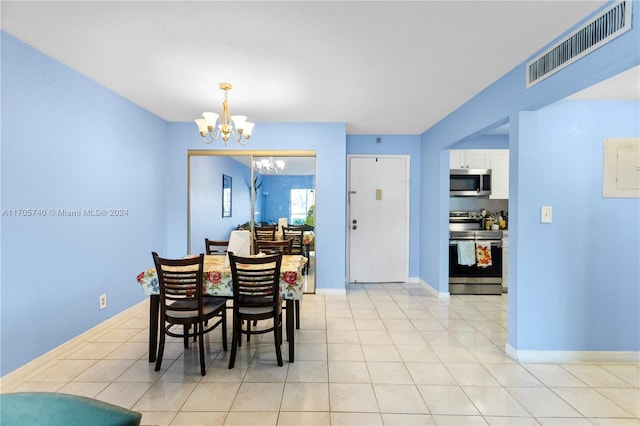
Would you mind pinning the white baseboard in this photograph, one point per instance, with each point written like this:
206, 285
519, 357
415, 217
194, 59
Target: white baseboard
59, 352
438, 294
571, 356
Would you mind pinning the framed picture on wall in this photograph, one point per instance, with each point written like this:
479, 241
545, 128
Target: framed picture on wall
226, 196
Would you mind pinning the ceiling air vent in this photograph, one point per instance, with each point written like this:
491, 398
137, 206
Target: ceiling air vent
604, 27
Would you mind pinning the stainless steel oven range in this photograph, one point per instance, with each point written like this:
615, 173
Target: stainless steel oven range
467, 278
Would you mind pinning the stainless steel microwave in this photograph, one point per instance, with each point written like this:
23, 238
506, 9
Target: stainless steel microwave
470, 183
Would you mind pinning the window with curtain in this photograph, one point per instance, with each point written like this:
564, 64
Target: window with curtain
301, 202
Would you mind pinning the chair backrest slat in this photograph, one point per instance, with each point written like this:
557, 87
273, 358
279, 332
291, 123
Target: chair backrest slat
256, 280
180, 280
215, 246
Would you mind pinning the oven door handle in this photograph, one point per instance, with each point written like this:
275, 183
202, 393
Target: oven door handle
494, 243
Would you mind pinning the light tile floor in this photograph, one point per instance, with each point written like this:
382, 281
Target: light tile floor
389, 354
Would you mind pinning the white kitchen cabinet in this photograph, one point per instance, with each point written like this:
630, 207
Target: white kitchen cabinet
499, 173
469, 159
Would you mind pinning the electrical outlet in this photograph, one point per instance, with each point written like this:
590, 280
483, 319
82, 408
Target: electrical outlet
103, 301
545, 214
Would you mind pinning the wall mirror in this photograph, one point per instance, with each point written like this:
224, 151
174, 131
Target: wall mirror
226, 196
269, 188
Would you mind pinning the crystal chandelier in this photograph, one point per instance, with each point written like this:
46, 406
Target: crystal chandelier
269, 166
212, 125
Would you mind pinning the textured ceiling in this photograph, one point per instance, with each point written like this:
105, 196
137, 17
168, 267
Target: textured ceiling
384, 67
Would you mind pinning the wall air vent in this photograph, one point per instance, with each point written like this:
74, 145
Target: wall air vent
604, 27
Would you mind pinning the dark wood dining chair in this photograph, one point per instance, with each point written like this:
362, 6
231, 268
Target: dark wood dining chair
296, 235
216, 246
182, 305
271, 247
265, 232
256, 297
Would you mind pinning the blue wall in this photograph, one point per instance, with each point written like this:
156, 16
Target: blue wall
398, 145
586, 295
507, 100
278, 200
205, 200
68, 143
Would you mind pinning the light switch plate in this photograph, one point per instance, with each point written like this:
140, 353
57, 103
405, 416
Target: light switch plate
545, 214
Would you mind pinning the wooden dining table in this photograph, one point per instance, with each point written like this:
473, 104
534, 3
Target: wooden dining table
218, 282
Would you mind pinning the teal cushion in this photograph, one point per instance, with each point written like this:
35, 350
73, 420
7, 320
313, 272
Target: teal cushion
49, 409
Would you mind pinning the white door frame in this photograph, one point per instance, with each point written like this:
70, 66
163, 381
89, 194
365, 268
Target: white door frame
407, 160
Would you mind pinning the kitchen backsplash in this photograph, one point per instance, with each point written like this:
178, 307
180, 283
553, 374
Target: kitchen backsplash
469, 204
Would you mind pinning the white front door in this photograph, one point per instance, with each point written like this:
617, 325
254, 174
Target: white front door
378, 219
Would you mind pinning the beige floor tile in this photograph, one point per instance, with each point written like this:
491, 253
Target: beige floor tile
265, 418
340, 324
389, 373
355, 419
381, 353
120, 335
512, 375
219, 371
211, 397
564, 421
348, 372
369, 324
390, 419
266, 372
343, 336
377, 337
304, 418
553, 375
445, 420
344, 352
258, 397
88, 389
590, 403
628, 373
305, 397
447, 400
157, 418
365, 314
399, 399
164, 397
495, 401
354, 398
93, 350
200, 418
310, 351
123, 394
471, 375
627, 398
417, 353
140, 371
310, 336
511, 421
542, 402
594, 375
63, 371
129, 350
429, 373
308, 371
454, 354
604, 421
105, 370
39, 387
